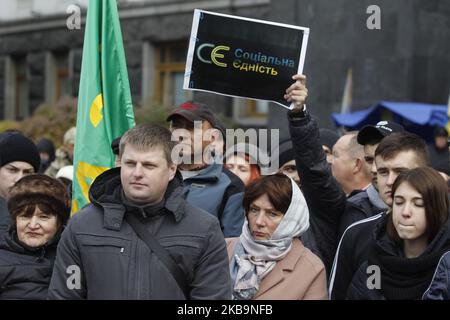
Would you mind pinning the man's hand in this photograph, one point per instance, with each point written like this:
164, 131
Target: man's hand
297, 92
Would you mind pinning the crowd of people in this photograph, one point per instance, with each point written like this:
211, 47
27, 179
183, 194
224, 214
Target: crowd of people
364, 215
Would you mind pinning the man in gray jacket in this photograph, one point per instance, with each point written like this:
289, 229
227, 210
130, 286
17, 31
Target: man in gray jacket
196, 128
100, 256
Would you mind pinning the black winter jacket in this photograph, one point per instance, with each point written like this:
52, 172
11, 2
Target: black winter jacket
25, 273
439, 288
325, 198
115, 264
357, 207
353, 250
411, 282
5, 219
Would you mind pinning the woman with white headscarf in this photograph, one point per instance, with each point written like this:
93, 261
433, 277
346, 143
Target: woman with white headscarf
268, 261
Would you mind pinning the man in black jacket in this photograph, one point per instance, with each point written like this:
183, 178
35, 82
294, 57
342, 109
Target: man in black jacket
100, 255
368, 203
324, 197
395, 153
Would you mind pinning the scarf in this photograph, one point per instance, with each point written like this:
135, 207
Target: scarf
254, 259
403, 278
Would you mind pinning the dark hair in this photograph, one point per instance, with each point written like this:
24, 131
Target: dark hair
433, 189
47, 193
398, 142
278, 188
147, 136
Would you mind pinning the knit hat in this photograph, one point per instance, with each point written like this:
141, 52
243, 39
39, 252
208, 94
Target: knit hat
46, 145
40, 189
284, 153
328, 138
16, 147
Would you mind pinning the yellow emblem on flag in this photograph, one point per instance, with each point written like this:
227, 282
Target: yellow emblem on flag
95, 112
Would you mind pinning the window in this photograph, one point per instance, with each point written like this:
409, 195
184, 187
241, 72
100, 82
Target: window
170, 65
57, 84
21, 109
248, 111
62, 75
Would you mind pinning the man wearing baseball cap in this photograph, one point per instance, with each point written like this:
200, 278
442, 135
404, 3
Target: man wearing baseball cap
368, 203
208, 185
370, 136
19, 157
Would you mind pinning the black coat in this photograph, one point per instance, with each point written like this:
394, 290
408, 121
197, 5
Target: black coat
5, 219
357, 207
439, 158
353, 250
25, 273
439, 288
400, 277
325, 198
115, 264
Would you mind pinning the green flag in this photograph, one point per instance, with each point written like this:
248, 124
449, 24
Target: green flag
105, 110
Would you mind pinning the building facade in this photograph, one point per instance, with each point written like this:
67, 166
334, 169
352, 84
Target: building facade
406, 60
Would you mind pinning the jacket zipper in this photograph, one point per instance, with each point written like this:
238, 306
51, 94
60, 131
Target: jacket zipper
137, 274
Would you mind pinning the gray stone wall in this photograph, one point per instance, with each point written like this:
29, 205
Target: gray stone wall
135, 31
407, 60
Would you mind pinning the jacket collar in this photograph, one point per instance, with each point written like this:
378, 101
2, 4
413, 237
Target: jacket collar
10, 241
210, 173
287, 264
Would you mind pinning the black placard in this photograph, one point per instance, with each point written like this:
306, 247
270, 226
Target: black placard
244, 57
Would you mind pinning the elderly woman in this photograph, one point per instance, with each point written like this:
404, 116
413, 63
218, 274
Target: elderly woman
409, 242
268, 261
39, 208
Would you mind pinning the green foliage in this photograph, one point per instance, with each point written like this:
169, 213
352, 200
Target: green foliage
152, 114
157, 114
47, 121
9, 125
53, 121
